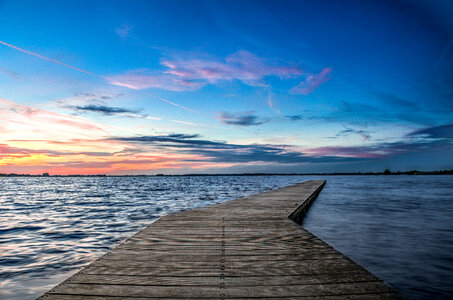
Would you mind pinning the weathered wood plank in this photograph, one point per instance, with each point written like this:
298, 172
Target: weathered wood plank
213, 292
245, 248
230, 281
370, 296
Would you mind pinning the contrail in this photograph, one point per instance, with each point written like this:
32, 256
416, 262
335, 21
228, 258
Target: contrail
46, 58
180, 106
89, 73
86, 72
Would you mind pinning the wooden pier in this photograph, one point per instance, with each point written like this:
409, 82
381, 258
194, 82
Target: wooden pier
247, 248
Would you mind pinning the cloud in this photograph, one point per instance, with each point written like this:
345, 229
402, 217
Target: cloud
186, 123
312, 82
76, 157
242, 65
223, 152
241, 119
5, 149
395, 101
95, 103
145, 79
295, 117
131, 154
24, 121
188, 74
437, 132
82, 99
102, 109
9, 73
124, 30
183, 136
378, 150
364, 113
112, 111
346, 132
271, 103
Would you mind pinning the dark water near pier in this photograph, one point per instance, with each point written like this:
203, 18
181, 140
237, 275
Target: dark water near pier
398, 227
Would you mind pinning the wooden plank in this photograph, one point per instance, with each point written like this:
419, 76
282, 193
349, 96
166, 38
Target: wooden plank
212, 292
369, 296
245, 248
229, 281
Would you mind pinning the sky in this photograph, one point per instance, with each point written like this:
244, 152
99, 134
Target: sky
179, 87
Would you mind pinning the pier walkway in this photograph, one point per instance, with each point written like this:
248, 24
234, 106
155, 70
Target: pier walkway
247, 248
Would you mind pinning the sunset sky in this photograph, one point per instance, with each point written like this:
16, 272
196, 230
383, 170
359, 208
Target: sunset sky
173, 87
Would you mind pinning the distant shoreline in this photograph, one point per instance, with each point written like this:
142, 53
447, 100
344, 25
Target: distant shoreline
386, 172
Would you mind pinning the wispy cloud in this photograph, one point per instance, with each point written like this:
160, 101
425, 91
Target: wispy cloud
380, 150
312, 82
295, 117
241, 119
242, 65
5, 150
271, 103
348, 131
11, 74
436, 132
124, 30
86, 99
419, 140
186, 123
188, 74
145, 79
33, 123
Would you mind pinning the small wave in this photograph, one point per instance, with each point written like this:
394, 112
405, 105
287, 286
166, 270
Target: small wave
98, 195
18, 229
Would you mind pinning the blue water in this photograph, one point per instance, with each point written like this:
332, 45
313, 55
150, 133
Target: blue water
398, 227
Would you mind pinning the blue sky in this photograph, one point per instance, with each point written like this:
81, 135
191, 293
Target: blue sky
145, 87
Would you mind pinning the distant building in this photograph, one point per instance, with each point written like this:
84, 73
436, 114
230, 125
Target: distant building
45, 174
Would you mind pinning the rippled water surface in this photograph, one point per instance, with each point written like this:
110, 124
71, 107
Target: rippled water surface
399, 227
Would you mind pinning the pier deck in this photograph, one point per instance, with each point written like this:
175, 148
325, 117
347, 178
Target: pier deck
246, 248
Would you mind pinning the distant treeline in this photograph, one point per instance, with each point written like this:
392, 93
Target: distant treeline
386, 172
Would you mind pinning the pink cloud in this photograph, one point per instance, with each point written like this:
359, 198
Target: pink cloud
145, 79
312, 82
194, 73
345, 151
20, 120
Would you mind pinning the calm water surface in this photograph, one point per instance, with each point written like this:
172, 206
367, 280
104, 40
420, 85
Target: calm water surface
398, 227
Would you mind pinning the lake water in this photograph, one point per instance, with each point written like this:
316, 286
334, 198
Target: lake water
398, 227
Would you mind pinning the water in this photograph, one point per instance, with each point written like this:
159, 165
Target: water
398, 227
